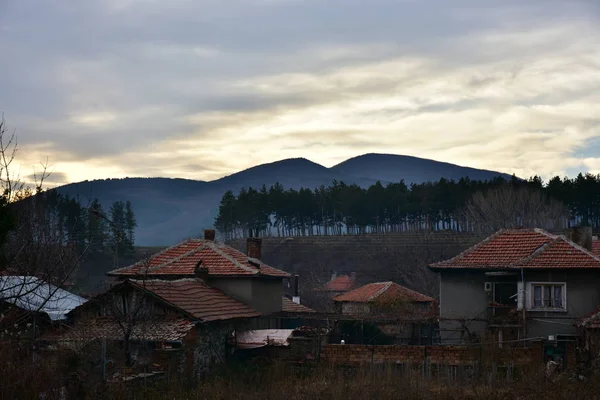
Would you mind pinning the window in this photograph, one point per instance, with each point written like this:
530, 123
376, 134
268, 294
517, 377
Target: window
548, 296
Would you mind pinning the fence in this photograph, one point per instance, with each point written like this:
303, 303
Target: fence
452, 362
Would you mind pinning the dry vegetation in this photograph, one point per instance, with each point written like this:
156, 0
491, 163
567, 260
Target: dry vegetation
67, 379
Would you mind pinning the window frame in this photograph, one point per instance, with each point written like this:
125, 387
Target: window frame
531, 294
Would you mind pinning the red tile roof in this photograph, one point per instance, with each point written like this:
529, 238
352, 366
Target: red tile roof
288, 306
197, 299
152, 329
182, 259
522, 248
383, 291
596, 247
342, 283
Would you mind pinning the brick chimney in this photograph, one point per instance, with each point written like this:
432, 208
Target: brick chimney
581, 235
253, 247
209, 234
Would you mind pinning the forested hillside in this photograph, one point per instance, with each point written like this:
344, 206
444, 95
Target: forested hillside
463, 205
169, 210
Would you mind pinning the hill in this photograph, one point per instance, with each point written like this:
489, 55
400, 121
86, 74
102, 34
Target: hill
169, 210
392, 168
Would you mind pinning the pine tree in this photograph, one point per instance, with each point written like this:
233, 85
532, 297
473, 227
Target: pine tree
96, 227
130, 223
117, 228
226, 221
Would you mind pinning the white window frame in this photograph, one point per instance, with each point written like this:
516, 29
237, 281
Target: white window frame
530, 294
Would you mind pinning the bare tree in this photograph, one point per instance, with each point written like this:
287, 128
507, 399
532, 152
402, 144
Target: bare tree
511, 206
32, 241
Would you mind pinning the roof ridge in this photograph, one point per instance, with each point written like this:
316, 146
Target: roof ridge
172, 260
545, 232
580, 248
386, 286
556, 239
128, 267
541, 249
234, 261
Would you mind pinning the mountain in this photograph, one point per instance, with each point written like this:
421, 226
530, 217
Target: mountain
169, 210
392, 168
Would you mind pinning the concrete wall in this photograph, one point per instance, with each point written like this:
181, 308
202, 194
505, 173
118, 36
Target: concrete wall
238, 288
462, 295
262, 294
266, 295
583, 296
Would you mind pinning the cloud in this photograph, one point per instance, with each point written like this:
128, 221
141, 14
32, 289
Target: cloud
200, 90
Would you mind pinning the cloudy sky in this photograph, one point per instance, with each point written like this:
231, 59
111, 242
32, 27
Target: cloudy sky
200, 89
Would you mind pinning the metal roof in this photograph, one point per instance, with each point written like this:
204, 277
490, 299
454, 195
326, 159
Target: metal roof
33, 294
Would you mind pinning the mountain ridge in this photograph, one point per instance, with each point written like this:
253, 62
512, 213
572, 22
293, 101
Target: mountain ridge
171, 209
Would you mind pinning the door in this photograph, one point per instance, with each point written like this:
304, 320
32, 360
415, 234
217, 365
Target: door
505, 297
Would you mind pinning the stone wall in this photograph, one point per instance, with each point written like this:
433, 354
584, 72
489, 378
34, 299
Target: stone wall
210, 347
443, 355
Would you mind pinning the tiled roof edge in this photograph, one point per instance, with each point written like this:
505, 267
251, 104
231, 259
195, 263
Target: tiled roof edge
494, 235
128, 267
469, 250
581, 248
386, 286
234, 261
172, 260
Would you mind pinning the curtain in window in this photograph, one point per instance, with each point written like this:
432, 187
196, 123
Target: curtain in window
557, 297
537, 296
547, 296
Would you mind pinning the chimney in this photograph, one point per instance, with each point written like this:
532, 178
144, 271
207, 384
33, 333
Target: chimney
333, 275
581, 235
296, 297
209, 234
253, 247
353, 277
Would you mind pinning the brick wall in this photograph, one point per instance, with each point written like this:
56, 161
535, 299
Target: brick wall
446, 355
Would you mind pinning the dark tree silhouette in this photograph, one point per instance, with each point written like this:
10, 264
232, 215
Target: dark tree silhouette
462, 205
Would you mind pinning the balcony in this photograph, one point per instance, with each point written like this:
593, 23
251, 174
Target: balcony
503, 316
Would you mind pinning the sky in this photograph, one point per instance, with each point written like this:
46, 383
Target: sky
200, 89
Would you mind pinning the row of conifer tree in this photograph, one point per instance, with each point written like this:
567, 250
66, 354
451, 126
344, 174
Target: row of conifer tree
342, 208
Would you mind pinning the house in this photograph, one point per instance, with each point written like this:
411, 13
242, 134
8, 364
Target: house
338, 284
399, 312
178, 326
29, 305
241, 276
187, 301
320, 296
519, 284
